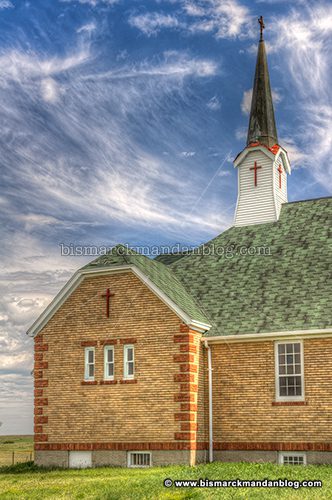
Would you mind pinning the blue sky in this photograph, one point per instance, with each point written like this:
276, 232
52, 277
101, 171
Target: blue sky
119, 122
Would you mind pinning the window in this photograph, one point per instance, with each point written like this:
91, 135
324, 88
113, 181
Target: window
89, 372
139, 459
289, 371
292, 458
108, 362
129, 367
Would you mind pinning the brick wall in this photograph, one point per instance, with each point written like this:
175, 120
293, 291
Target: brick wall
159, 406
244, 392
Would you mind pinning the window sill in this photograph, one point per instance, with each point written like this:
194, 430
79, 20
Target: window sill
129, 381
289, 403
108, 382
89, 382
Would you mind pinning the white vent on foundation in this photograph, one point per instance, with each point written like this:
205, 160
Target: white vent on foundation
139, 459
291, 458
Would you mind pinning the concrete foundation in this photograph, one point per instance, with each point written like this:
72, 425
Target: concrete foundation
163, 457
52, 458
119, 458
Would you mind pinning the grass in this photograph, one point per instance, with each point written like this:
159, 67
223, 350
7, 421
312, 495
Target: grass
27, 481
21, 445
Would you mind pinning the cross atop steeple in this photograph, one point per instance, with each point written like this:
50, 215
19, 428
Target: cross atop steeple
262, 26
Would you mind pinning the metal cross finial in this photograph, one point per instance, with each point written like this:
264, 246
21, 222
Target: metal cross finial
262, 26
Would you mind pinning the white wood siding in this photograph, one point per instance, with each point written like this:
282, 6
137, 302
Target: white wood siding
281, 194
256, 204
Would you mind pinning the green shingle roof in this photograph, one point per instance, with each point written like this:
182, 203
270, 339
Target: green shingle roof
282, 283
158, 273
287, 289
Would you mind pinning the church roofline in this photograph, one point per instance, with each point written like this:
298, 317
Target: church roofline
309, 199
79, 276
256, 337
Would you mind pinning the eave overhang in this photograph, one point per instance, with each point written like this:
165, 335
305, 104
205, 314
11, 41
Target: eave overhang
264, 336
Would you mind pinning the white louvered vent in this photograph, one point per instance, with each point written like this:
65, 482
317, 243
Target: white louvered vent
139, 459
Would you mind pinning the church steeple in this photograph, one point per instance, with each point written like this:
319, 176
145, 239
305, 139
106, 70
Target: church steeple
263, 165
262, 126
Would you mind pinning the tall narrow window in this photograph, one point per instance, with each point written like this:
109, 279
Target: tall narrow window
129, 362
289, 371
89, 371
108, 362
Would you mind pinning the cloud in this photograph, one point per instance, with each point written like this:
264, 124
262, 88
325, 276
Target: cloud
93, 3
87, 28
174, 65
49, 90
6, 4
214, 103
241, 134
187, 154
304, 43
152, 22
296, 156
223, 18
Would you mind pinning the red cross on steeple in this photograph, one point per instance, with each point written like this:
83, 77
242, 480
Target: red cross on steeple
255, 168
108, 295
280, 170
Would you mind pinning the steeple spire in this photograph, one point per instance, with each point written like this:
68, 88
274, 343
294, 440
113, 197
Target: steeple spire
262, 126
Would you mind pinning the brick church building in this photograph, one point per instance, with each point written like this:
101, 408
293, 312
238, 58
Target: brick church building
190, 358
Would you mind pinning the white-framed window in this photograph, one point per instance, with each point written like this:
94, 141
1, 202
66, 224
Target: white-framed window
139, 459
289, 371
292, 458
109, 362
89, 369
128, 362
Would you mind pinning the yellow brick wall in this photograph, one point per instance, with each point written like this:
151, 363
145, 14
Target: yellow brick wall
111, 413
244, 390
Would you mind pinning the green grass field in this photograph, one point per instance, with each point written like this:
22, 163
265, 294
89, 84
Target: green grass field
27, 481
22, 446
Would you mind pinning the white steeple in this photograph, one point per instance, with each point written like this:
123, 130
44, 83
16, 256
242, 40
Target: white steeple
263, 165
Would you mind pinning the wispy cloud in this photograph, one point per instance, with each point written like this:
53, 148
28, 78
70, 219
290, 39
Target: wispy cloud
151, 23
187, 154
6, 4
222, 18
92, 3
87, 28
214, 103
304, 41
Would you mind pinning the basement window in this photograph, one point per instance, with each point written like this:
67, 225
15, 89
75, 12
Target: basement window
139, 459
292, 458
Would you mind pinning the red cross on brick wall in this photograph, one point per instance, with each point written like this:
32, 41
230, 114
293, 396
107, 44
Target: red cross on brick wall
108, 295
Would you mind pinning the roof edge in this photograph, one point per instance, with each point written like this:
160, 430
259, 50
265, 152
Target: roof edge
256, 337
78, 277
